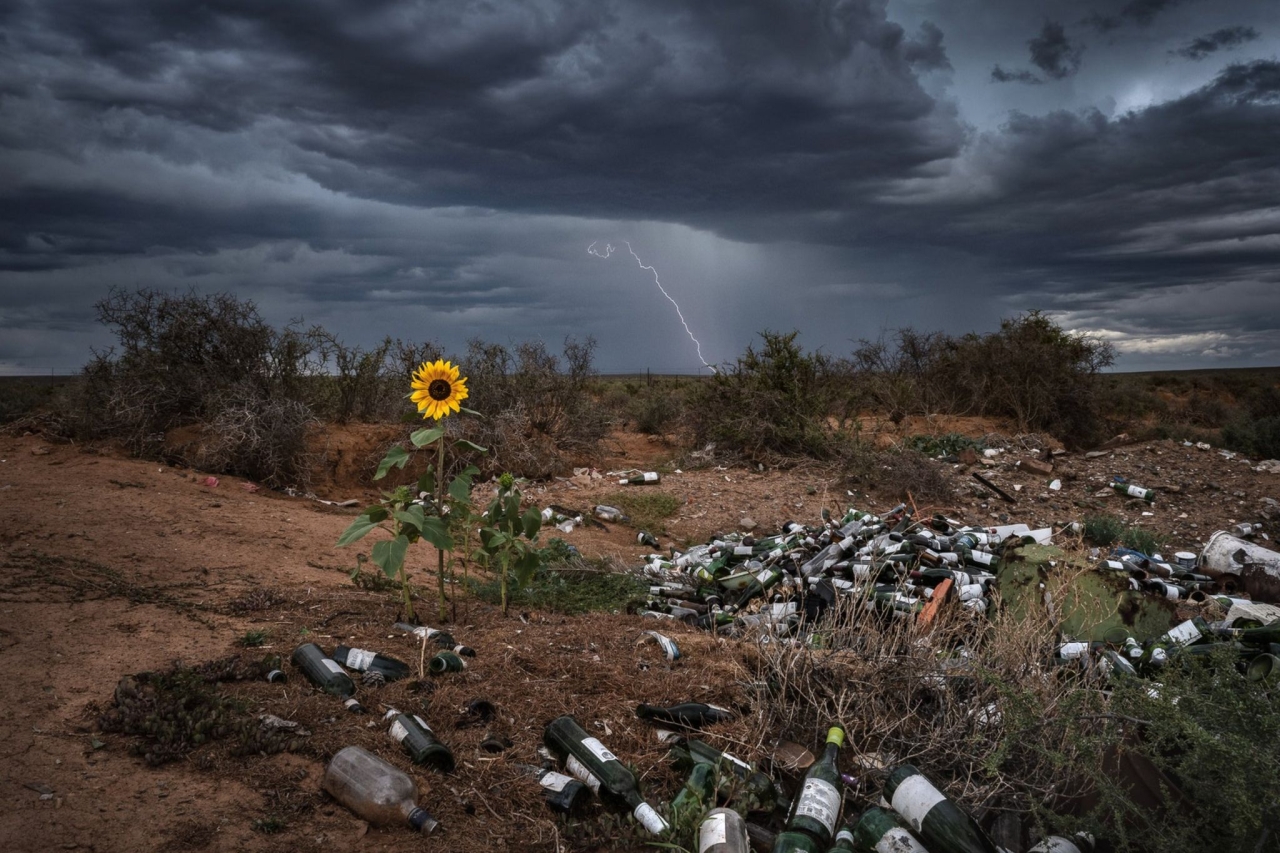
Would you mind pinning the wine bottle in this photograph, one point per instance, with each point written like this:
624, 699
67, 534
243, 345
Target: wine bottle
376, 791
1129, 490
647, 539
413, 733
1269, 633
326, 674
691, 714
942, 826
697, 791
736, 776
795, 842
1081, 842
609, 513
723, 831
446, 661
817, 807
589, 760
362, 660
562, 793
644, 478
1194, 630
764, 580
878, 831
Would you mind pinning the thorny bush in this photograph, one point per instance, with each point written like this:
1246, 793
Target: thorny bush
539, 412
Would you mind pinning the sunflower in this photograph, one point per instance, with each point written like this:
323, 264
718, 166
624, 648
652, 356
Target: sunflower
437, 390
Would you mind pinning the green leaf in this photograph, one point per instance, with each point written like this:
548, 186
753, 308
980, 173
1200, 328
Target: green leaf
423, 437
413, 516
532, 521
389, 555
497, 539
470, 445
511, 507
364, 522
395, 458
427, 482
526, 566
435, 531
471, 412
460, 489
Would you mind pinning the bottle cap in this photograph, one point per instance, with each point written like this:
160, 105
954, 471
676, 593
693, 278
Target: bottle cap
651, 820
421, 820
835, 735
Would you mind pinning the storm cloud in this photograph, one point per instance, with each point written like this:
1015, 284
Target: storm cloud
1223, 39
436, 170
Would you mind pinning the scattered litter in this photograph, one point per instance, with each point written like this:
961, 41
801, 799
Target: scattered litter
668, 645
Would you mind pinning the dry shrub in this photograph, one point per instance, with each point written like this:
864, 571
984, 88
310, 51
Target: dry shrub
975, 704
262, 438
538, 411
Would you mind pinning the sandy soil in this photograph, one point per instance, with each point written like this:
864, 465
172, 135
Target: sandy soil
113, 566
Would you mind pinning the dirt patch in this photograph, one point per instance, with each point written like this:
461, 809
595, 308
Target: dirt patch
115, 566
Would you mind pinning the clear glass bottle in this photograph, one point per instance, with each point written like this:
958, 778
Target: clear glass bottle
375, 790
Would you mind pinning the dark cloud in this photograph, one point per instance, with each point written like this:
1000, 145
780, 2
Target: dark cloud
926, 52
1223, 39
410, 167
1137, 12
1053, 53
1000, 75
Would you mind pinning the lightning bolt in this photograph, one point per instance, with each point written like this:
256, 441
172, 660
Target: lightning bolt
609, 250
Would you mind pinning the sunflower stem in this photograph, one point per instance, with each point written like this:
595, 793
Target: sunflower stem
504, 582
440, 509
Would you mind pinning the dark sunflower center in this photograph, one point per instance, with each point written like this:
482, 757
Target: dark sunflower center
439, 389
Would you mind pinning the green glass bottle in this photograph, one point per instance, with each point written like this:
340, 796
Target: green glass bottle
723, 831
363, 660
691, 714
795, 842
750, 788
1269, 633
412, 733
697, 792
878, 831
587, 759
942, 826
644, 478
817, 807
764, 580
1129, 490
446, 662
325, 673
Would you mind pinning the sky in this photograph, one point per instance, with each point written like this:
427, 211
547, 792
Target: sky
439, 171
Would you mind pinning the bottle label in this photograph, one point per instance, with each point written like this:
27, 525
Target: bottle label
819, 800
735, 760
398, 732
332, 666
359, 659
553, 781
1135, 491
846, 836
1184, 634
580, 772
914, 798
898, 840
598, 749
743, 551
712, 832
1071, 651
422, 723
650, 819
651, 476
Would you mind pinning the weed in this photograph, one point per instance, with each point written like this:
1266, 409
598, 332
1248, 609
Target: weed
649, 509
1103, 530
269, 825
253, 638
569, 585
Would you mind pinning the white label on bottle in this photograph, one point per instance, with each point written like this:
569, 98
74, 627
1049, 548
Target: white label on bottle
914, 798
580, 772
1071, 651
898, 840
422, 723
735, 760
819, 800
553, 781
1135, 491
764, 575
359, 659
651, 476
1184, 634
332, 666
398, 732
743, 551
598, 749
712, 832
650, 819
668, 646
